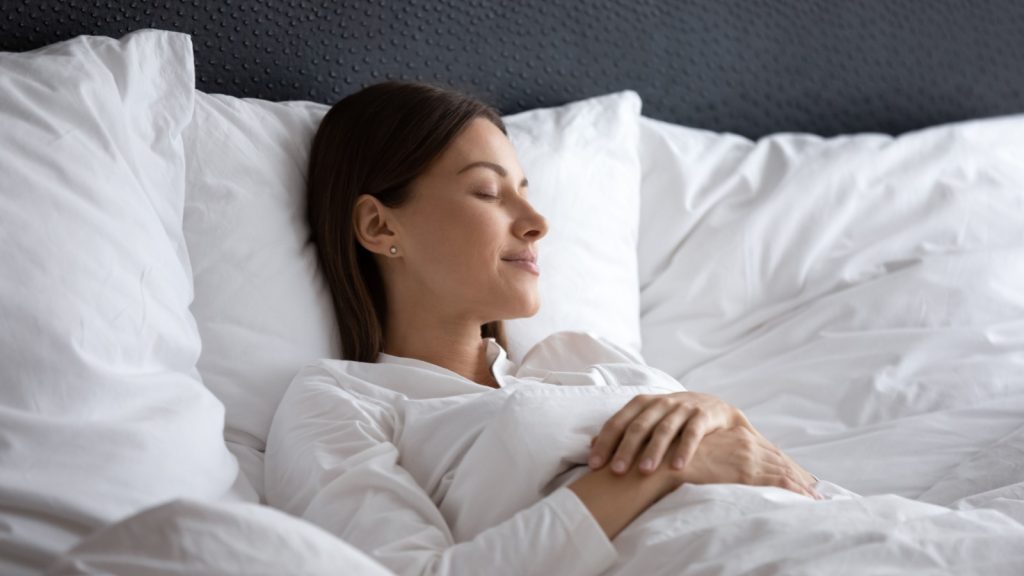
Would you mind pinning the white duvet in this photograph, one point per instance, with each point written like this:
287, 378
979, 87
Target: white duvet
537, 441
865, 302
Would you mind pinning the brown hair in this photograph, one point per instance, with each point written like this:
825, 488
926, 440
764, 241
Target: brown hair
376, 141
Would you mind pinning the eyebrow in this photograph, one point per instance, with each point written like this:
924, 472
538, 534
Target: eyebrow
496, 167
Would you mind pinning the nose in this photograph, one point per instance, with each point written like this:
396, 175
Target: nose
531, 225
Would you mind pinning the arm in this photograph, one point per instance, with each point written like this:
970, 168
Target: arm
615, 500
330, 460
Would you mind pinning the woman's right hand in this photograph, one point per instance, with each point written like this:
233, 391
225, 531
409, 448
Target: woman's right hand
738, 455
742, 456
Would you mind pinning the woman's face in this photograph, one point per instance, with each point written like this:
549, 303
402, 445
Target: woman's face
467, 232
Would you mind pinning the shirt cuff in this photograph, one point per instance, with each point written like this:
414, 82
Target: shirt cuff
590, 545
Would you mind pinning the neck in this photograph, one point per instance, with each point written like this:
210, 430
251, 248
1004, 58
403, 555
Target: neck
452, 344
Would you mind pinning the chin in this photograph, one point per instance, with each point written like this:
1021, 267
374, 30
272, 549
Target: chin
527, 310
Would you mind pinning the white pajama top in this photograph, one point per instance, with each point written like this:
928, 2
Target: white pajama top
429, 472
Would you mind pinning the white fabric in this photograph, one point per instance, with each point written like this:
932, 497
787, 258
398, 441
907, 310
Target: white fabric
102, 409
261, 306
431, 473
382, 455
857, 296
193, 538
584, 171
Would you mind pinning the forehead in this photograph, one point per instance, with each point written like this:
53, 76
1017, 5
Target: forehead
479, 140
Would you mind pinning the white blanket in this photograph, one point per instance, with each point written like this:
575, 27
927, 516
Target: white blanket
481, 457
187, 537
859, 297
536, 442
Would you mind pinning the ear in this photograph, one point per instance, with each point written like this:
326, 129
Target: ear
372, 222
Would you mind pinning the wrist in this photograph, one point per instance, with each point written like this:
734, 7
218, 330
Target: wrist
614, 500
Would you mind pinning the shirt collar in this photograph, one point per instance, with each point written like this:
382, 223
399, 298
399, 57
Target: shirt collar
501, 364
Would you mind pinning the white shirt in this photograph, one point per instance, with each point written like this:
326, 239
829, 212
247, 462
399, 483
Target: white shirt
404, 459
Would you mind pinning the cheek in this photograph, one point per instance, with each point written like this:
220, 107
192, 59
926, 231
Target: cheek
464, 241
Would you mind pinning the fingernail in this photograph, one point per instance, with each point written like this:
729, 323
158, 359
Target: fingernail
647, 464
595, 461
678, 463
619, 466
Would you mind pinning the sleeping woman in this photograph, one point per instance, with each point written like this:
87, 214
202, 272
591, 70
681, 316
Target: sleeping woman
427, 447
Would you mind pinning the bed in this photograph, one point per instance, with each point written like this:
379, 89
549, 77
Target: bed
812, 210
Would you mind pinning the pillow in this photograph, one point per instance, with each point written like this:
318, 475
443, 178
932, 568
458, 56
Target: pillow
103, 410
584, 171
737, 235
261, 306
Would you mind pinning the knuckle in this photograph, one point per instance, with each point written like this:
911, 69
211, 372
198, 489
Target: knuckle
617, 425
665, 428
636, 427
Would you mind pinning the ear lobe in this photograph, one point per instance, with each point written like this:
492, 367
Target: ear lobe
370, 221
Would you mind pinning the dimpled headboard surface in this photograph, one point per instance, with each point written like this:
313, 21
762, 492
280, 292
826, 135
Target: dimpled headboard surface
747, 66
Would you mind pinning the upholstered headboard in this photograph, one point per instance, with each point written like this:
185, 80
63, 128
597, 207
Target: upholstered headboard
746, 66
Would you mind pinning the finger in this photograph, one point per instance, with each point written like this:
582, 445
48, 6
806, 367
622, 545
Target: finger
637, 434
612, 431
802, 475
807, 477
787, 482
695, 430
665, 432
787, 478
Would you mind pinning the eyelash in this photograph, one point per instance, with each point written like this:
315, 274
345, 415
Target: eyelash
488, 196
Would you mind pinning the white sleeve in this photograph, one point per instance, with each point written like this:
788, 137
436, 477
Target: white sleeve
330, 459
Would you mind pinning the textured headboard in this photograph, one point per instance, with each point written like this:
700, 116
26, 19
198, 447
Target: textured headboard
746, 66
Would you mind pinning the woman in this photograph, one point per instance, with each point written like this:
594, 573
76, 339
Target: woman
421, 216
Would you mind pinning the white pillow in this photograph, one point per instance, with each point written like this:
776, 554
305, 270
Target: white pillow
102, 407
583, 164
261, 306
736, 235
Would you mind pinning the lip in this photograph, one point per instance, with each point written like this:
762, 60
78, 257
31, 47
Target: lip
525, 259
528, 265
527, 255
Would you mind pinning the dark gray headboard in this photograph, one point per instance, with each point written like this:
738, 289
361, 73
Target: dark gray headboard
746, 66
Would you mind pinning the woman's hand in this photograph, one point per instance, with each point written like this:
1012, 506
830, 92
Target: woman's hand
652, 422
743, 456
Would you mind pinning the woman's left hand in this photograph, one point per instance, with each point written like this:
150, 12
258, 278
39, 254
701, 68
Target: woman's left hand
652, 421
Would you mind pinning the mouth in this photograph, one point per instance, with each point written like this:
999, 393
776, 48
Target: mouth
527, 264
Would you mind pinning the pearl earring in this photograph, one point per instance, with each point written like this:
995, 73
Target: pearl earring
393, 250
